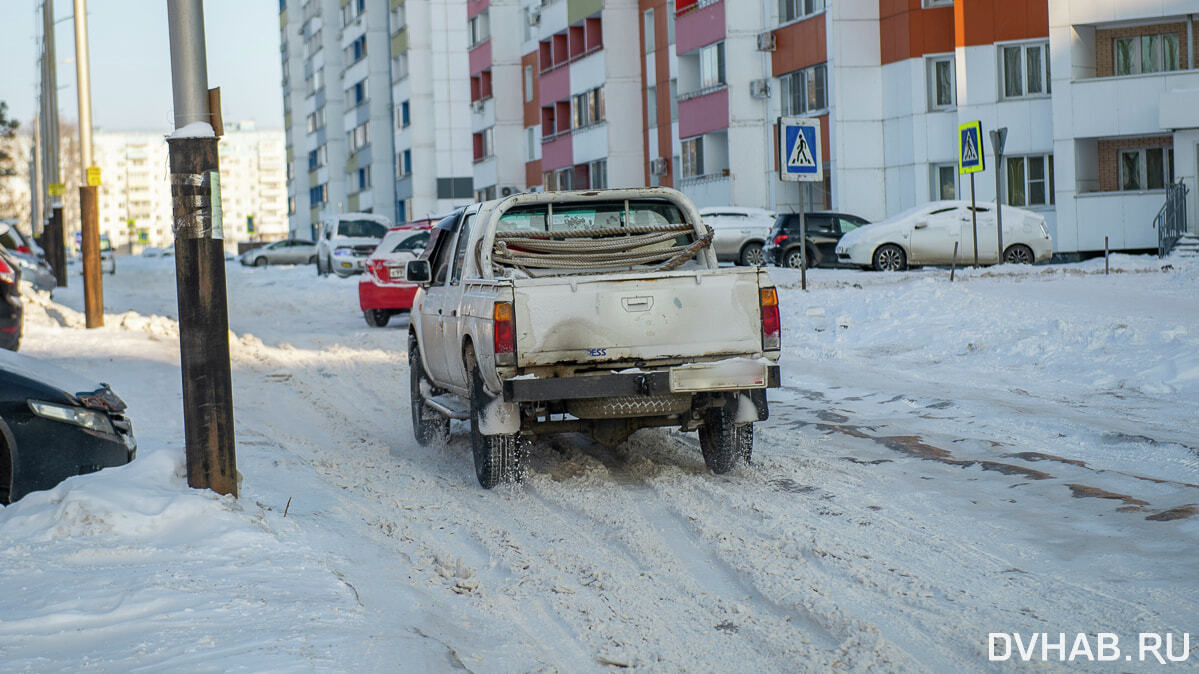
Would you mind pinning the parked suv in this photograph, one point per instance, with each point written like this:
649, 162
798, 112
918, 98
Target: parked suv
740, 233
824, 231
346, 240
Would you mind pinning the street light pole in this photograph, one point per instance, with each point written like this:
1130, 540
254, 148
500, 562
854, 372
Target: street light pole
89, 198
199, 260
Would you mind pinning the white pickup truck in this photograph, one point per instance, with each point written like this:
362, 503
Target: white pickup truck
599, 312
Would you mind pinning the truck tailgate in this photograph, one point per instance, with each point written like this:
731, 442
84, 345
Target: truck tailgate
689, 314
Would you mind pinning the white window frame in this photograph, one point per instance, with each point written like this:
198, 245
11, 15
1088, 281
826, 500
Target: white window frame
798, 10
1137, 66
647, 25
811, 78
1046, 162
692, 157
713, 55
528, 82
929, 4
930, 67
599, 168
935, 182
478, 29
1046, 74
1143, 168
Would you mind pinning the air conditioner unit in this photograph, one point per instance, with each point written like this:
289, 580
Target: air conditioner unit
766, 41
508, 190
533, 17
657, 166
477, 106
759, 88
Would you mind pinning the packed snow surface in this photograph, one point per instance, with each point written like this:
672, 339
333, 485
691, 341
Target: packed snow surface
1013, 452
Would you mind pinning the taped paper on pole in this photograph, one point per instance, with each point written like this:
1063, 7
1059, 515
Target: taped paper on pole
801, 157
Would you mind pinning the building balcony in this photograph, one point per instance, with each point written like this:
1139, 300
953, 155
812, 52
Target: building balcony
1125, 218
1122, 106
704, 112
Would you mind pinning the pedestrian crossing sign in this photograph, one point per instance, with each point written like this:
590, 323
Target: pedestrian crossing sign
800, 156
970, 148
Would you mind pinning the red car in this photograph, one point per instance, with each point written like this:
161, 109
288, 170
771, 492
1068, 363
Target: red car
382, 290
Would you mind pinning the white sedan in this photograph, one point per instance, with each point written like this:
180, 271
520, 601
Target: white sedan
927, 234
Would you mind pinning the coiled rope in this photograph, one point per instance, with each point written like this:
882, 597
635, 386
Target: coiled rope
584, 249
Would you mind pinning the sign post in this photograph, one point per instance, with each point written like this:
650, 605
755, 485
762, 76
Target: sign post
971, 161
998, 141
801, 159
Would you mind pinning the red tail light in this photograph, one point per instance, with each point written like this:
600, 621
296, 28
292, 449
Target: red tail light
771, 326
25, 249
779, 239
505, 329
377, 269
7, 273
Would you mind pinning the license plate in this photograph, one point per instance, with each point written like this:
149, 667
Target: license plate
723, 376
395, 273
347, 265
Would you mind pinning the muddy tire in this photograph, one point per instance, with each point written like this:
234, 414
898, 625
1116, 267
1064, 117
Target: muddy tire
890, 258
724, 442
427, 426
498, 458
260, 261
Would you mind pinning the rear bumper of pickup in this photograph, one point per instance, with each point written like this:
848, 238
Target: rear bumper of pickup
652, 383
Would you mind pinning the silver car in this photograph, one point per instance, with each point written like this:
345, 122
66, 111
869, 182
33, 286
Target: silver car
739, 233
288, 251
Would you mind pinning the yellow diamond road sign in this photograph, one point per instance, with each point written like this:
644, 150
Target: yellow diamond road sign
93, 176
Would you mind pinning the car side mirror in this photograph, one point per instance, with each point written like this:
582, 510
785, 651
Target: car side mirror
417, 271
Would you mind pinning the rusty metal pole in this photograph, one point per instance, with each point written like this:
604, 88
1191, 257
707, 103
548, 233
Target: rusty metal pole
199, 260
89, 197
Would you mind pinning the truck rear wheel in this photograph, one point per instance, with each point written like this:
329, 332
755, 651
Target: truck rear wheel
498, 458
427, 426
722, 440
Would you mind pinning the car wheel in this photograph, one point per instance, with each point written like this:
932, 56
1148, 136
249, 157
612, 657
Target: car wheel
321, 269
427, 425
890, 258
498, 458
722, 440
377, 318
260, 262
1018, 254
312, 260
752, 255
794, 258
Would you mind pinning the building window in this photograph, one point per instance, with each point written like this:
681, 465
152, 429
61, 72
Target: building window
399, 67
359, 137
1146, 169
479, 29
316, 120
1147, 54
484, 144
651, 107
363, 178
566, 179
398, 20
356, 50
1030, 180
927, 4
790, 10
1025, 70
711, 65
317, 158
945, 182
588, 107
404, 163
357, 94
403, 118
352, 10
318, 195
531, 143
674, 100
693, 157
549, 180
942, 92
648, 25
528, 84
599, 174
291, 205
804, 91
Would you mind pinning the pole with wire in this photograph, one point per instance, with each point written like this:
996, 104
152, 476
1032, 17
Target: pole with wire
89, 197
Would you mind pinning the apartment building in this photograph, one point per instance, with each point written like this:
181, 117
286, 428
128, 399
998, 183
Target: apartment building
1125, 117
496, 35
431, 114
135, 195
337, 109
582, 94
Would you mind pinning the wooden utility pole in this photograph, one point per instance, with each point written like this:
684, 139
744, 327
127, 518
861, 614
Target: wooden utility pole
89, 196
200, 259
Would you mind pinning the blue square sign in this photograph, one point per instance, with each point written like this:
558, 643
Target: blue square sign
800, 156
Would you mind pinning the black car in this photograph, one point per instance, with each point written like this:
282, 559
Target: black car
824, 231
54, 424
10, 301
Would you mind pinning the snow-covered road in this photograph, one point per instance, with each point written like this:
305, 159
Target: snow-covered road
1015, 452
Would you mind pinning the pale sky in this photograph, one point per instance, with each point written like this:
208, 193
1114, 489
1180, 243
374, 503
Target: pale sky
131, 61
